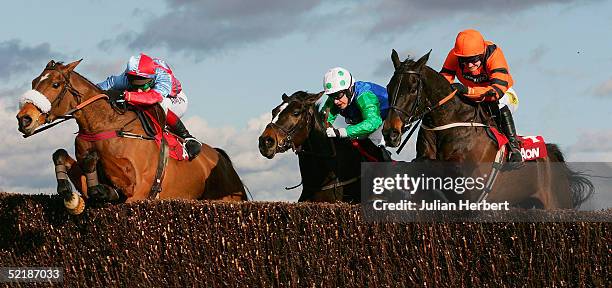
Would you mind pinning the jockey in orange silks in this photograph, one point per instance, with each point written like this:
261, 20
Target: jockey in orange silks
483, 74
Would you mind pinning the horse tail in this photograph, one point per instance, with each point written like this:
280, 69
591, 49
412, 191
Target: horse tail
231, 165
581, 187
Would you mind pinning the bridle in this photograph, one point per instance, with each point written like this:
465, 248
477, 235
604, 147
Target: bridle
68, 115
409, 117
419, 108
287, 141
67, 86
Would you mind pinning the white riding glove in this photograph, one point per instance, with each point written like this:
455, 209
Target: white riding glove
339, 133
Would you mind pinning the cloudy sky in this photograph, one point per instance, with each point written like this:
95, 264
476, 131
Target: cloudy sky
235, 58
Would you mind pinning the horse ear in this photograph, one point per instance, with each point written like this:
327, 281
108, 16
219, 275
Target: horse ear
421, 62
50, 64
69, 67
395, 59
285, 97
315, 97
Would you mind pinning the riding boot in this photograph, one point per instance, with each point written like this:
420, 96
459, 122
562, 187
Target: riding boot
192, 145
508, 126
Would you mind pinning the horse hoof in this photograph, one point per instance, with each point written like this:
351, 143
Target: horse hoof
75, 205
63, 188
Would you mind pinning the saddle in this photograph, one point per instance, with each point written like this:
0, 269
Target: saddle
150, 120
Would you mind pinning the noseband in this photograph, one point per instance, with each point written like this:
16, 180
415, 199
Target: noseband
67, 88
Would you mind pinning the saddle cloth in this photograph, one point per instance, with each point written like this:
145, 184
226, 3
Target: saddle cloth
532, 147
176, 149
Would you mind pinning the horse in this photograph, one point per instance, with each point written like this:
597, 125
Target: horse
330, 168
419, 93
125, 166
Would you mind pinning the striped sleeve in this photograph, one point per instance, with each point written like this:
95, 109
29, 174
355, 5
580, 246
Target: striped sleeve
499, 78
449, 69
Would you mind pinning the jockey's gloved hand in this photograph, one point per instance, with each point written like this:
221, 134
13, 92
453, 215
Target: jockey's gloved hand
339, 133
114, 95
116, 98
461, 89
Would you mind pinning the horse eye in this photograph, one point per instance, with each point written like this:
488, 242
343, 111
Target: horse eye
56, 85
296, 113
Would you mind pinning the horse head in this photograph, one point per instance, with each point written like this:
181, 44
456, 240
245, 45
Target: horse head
405, 96
292, 122
52, 95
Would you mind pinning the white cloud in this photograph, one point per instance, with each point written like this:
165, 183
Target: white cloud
25, 164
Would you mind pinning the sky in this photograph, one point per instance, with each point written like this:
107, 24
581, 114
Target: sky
236, 58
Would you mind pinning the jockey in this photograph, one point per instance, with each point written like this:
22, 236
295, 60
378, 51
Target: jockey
481, 66
364, 106
148, 81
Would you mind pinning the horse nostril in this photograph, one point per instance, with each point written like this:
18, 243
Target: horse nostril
269, 142
393, 134
266, 142
25, 121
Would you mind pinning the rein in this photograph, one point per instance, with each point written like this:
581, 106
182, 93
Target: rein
68, 114
416, 106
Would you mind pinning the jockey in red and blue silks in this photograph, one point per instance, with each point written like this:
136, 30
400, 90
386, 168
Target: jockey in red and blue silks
147, 81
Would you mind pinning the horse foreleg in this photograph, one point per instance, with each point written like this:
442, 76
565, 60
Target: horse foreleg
66, 171
96, 191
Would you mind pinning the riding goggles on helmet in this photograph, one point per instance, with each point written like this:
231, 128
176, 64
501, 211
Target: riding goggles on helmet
138, 82
338, 95
470, 59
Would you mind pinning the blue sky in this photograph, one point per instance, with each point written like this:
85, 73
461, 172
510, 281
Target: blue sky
235, 59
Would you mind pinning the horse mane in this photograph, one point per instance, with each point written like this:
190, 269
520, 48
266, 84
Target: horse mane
88, 81
318, 115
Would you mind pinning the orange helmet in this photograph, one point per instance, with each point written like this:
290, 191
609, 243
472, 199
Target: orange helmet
469, 43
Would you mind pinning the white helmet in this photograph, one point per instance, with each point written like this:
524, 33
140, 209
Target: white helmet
337, 79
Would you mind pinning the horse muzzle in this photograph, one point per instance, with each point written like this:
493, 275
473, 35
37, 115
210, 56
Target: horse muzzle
267, 146
392, 136
29, 118
26, 125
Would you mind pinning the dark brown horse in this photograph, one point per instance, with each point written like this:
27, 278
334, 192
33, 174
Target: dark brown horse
118, 169
330, 167
417, 92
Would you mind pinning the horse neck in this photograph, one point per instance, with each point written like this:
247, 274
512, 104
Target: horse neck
317, 141
98, 115
436, 87
327, 158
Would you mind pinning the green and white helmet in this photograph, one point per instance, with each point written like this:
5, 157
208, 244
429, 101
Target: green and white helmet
337, 79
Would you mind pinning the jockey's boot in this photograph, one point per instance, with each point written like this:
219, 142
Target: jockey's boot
192, 145
510, 131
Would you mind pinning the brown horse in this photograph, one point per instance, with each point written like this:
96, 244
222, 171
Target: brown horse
118, 169
419, 93
330, 167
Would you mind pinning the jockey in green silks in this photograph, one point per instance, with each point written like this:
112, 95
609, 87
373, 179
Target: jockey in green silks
364, 106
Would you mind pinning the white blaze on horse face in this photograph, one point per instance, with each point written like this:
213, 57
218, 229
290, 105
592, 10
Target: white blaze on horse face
280, 110
38, 99
42, 78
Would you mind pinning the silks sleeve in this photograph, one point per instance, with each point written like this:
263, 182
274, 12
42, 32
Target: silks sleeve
370, 111
119, 82
499, 79
143, 98
449, 69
